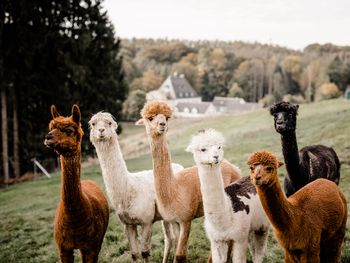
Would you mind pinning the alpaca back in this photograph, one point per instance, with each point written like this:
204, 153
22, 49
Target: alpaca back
325, 205
320, 161
244, 198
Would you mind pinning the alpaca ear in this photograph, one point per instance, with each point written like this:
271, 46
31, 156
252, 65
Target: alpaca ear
139, 122
54, 112
189, 149
280, 163
76, 114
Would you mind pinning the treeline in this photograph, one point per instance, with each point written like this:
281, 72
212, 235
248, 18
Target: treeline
53, 52
253, 71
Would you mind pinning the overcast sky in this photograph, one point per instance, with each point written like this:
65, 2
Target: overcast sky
289, 23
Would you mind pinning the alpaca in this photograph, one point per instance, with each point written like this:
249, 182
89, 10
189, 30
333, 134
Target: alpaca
131, 194
233, 213
311, 162
82, 213
310, 224
178, 196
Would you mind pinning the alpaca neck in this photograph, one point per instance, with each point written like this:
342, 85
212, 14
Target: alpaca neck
276, 205
213, 194
113, 166
291, 157
163, 173
71, 192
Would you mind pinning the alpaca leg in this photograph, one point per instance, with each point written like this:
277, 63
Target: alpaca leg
240, 251
89, 256
167, 229
66, 256
219, 251
180, 255
131, 233
259, 240
146, 241
331, 250
175, 232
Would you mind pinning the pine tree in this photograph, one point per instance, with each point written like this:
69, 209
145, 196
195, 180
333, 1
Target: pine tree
57, 52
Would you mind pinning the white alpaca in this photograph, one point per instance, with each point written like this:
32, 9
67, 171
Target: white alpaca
132, 195
234, 214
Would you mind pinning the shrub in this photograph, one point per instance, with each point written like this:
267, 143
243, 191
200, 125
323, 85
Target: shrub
327, 91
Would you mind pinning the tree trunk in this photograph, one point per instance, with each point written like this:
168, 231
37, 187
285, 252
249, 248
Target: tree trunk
16, 160
5, 157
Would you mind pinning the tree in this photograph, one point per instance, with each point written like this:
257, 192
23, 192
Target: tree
57, 52
133, 104
328, 91
339, 72
250, 76
4, 134
149, 81
235, 91
292, 70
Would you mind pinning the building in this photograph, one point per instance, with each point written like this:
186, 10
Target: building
186, 102
174, 89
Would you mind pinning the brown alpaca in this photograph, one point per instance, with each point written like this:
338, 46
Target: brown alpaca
178, 196
310, 224
82, 214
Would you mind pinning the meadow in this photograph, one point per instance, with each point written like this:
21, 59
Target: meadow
27, 209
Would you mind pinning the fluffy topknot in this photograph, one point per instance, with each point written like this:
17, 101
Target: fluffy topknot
105, 116
206, 137
264, 158
152, 109
284, 106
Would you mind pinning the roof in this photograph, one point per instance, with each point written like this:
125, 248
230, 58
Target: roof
228, 104
177, 87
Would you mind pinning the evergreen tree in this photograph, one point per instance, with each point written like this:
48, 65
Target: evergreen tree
58, 52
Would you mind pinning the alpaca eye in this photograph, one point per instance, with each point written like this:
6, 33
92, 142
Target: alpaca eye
110, 123
167, 118
219, 147
93, 124
203, 150
251, 168
269, 169
68, 131
150, 118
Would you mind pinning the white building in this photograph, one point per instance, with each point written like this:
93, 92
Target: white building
186, 102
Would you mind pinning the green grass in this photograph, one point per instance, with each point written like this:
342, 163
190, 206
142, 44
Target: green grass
27, 210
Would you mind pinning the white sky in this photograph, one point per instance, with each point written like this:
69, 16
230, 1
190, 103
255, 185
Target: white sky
289, 23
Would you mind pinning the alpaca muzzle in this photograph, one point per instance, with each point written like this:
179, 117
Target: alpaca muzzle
49, 140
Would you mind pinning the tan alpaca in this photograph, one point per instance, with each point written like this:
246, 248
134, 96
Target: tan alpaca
178, 196
310, 224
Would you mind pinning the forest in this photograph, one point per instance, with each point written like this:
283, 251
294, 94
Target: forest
65, 52
253, 71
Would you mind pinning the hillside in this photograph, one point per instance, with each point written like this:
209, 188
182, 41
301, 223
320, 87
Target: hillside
27, 210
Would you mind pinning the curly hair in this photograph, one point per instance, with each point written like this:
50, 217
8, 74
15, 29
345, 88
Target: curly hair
152, 109
284, 107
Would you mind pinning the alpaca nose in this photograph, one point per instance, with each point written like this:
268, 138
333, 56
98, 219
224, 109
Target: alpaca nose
216, 157
101, 130
279, 121
49, 136
162, 123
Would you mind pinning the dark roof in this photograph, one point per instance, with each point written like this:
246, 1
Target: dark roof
182, 88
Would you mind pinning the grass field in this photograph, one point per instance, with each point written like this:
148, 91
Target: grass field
27, 209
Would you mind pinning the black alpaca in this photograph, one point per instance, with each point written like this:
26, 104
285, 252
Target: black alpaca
308, 164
